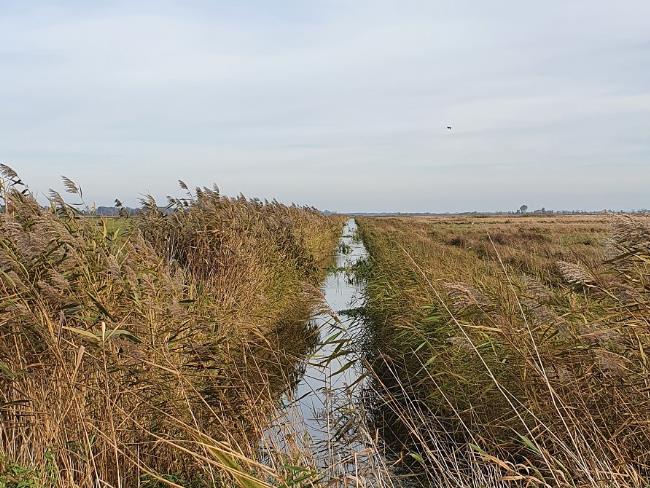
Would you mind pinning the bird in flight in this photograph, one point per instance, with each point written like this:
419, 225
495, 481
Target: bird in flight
449, 127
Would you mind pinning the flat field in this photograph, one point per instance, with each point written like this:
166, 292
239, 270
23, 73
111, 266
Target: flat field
156, 350
516, 343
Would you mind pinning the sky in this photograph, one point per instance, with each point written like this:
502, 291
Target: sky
338, 104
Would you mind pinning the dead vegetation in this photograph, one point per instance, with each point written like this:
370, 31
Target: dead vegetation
515, 350
149, 357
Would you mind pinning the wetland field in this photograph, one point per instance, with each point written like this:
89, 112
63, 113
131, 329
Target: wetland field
218, 341
513, 350
410, 245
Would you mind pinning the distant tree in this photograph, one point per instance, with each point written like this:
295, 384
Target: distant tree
523, 208
121, 211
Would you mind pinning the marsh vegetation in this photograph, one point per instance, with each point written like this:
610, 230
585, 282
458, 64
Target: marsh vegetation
150, 353
513, 350
226, 341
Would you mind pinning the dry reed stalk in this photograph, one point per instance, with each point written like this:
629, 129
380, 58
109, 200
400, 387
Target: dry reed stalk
148, 357
559, 398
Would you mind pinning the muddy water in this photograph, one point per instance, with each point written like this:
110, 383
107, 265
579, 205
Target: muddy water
323, 414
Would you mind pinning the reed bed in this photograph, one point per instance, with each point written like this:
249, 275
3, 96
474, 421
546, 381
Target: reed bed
150, 353
512, 350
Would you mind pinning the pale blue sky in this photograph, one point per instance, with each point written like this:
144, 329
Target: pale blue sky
339, 104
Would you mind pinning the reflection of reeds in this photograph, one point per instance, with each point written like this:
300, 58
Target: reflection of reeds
150, 352
541, 377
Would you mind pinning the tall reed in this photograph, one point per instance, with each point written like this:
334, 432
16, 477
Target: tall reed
150, 353
514, 351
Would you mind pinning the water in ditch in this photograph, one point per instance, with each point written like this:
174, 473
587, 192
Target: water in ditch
323, 414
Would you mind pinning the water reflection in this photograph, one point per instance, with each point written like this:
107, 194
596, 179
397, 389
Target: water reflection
334, 415
320, 413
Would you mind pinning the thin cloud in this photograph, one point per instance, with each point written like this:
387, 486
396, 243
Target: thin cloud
339, 104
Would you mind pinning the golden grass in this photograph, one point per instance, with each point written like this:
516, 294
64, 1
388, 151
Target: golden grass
516, 348
151, 351
149, 357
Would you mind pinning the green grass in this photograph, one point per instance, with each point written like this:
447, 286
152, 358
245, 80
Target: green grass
113, 225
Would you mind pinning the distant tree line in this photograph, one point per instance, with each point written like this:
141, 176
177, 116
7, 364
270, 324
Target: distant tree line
541, 211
